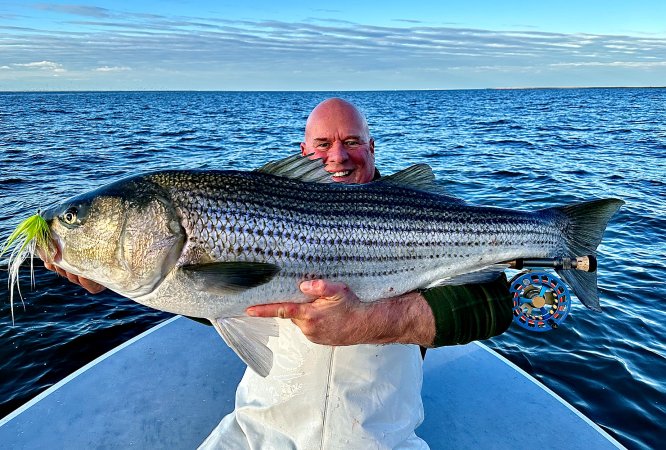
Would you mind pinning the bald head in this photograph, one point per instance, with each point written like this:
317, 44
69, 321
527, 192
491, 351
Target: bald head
334, 110
337, 132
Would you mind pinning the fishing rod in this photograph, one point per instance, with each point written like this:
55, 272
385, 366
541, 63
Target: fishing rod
541, 301
585, 263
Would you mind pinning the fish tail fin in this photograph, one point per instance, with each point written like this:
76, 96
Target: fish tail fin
583, 229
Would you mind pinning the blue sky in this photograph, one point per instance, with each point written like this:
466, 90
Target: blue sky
342, 45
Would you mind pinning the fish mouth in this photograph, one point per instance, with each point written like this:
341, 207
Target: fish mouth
52, 254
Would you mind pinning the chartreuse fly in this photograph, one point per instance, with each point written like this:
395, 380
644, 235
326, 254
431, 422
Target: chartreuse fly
29, 235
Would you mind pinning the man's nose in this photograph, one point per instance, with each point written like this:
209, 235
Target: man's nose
337, 153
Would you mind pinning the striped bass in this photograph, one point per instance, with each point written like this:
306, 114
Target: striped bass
209, 244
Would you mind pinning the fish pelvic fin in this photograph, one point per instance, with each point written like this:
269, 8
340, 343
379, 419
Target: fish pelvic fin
583, 230
248, 337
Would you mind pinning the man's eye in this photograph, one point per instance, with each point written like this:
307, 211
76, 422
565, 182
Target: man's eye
323, 145
352, 143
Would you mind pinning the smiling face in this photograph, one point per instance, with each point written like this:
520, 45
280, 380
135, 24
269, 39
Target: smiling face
337, 133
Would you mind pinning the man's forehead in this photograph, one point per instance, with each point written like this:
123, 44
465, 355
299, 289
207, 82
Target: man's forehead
336, 130
321, 137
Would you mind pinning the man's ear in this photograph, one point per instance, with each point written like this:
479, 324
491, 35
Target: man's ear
303, 149
371, 145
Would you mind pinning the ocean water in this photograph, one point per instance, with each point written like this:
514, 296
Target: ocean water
522, 149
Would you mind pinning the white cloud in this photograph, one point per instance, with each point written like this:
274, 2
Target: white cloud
77, 10
628, 64
112, 69
42, 65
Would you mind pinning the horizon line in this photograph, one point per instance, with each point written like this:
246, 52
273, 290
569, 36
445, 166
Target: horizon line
329, 90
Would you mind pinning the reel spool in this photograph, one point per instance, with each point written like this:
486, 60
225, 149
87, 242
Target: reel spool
541, 301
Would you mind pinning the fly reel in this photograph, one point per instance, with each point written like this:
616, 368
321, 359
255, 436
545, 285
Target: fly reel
541, 301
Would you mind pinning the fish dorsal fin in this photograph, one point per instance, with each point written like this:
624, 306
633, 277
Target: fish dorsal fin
248, 337
298, 167
225, 277
418, 176
421, 177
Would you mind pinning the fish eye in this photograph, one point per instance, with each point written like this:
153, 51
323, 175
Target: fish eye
70, 216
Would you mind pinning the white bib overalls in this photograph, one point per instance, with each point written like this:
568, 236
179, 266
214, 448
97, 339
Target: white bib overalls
320, 397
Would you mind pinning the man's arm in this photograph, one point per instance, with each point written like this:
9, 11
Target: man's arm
447, 315
338, 317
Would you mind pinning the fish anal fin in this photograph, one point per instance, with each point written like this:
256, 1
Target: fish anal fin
248, 337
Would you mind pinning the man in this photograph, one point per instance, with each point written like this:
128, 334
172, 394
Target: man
331, 386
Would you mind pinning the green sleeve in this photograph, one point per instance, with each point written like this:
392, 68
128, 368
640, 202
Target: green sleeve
470, 312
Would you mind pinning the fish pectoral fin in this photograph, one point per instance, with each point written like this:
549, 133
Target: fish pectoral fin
483, 275
225, 277
248, 337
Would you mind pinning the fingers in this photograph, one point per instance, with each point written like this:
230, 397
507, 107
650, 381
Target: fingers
88, 285
281, 310
323, 288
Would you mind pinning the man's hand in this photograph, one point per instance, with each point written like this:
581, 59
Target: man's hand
336, 316
85, 283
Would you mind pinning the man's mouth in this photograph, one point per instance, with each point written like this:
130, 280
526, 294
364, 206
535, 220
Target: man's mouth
341, 173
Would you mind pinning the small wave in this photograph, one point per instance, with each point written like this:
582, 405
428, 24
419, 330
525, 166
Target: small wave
494, 122
11, 180
619, 131
138, 144
53, 111
507, 173
579, 172
175, 133
434, 154
15, 151
510, 142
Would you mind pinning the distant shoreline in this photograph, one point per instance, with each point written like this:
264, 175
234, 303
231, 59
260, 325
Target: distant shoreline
36, 91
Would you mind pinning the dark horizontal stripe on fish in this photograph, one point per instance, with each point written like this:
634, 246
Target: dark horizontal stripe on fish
385, 241
274, 255
290, 275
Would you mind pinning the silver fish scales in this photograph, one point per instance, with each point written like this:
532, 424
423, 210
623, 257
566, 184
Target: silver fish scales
364, 235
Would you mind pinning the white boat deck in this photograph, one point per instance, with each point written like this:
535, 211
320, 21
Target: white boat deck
169, 387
